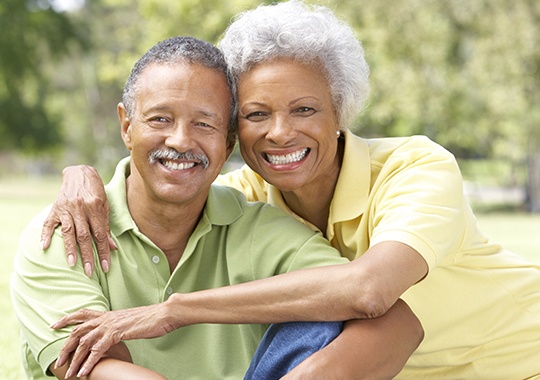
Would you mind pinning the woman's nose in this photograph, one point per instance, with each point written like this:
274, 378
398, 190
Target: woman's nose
281, 130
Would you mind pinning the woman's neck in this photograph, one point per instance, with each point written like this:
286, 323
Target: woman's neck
312, 202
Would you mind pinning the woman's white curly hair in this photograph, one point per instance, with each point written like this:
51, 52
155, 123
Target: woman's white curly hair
309, 34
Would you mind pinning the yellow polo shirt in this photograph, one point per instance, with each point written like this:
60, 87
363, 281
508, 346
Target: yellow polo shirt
479, 304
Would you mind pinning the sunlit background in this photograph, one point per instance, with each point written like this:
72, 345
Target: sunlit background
466, 73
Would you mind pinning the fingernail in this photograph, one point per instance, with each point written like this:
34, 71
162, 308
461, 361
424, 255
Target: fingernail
69, 373
71, 260
105, 266
82, 372
42, 244
88, 269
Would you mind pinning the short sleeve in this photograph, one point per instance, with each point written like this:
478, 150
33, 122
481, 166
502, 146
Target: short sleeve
418, 200
44, 288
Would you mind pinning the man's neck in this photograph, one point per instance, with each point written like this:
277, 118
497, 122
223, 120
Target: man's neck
167, 225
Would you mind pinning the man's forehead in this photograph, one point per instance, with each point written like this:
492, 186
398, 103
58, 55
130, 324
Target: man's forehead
165, 86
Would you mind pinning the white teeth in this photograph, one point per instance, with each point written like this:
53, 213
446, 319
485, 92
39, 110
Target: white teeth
287, 158
178, 166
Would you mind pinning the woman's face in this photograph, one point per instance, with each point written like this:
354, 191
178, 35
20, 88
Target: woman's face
287, 124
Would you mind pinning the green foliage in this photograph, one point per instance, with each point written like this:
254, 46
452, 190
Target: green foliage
461, 72
465, 73
30, 41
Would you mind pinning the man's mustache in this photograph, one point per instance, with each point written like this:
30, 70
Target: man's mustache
173, 154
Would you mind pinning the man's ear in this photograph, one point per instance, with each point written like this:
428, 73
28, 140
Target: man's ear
125, 125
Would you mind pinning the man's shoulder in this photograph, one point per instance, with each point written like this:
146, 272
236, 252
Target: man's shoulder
232, 205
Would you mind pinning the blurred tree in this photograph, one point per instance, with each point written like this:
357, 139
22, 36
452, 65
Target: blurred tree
32, 39
121, 32
465, 73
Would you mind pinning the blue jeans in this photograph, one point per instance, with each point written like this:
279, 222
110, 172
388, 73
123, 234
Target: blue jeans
286, 345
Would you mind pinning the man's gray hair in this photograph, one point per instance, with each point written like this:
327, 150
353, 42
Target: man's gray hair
308, 34
176, 50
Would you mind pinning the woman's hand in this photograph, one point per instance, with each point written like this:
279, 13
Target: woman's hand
83, 211
99, 331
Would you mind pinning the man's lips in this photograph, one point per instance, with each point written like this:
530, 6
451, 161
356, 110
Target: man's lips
172, 165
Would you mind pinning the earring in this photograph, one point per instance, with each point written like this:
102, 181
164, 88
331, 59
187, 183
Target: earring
338, 134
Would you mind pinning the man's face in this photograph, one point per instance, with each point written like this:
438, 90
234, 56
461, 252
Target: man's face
178, 133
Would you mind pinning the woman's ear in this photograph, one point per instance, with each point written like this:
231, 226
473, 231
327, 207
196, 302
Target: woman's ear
125, 125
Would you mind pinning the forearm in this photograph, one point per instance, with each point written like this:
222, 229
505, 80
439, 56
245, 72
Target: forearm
364, 288
113, 369
116, 365
367, 349
295, 296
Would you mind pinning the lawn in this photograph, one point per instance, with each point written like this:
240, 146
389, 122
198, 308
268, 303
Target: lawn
20, 199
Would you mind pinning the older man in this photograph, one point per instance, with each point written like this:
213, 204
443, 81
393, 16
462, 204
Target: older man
176, 232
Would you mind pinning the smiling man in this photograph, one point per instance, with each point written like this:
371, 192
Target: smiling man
175, 232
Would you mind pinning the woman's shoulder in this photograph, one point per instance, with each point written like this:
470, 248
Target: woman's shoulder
247, 181
410, 148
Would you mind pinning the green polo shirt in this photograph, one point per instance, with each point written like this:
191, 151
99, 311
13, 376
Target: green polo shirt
234, 242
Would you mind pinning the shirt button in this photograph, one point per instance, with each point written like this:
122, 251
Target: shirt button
169, 290
155, 259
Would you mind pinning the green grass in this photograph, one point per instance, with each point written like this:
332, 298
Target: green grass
21, 198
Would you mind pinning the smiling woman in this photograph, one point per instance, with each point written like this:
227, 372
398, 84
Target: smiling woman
288, 127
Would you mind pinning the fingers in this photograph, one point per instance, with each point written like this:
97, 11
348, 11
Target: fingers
76, 337
70, 243
83, 237
99, 223
88, 347
76, 317
82, 209
49, 226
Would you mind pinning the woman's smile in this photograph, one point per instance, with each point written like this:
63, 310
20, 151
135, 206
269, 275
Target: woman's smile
288, 158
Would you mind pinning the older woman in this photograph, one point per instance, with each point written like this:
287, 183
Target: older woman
394, 207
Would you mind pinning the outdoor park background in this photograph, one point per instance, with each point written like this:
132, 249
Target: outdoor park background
466, 73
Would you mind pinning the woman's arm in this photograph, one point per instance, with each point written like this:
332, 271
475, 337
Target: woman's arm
362, 289
83, 211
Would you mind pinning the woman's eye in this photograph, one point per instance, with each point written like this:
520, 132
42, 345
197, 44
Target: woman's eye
256, 116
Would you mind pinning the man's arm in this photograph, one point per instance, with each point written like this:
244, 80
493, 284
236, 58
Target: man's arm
117, 365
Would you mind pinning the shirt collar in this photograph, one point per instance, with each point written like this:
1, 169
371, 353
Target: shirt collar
352, 188
222, 205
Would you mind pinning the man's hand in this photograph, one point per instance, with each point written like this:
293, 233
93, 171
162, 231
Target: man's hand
99, 331
83, 211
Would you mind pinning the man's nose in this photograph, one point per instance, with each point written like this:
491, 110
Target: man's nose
180, 137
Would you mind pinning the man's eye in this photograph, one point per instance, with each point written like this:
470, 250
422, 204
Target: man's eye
307, 111
159, 119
